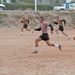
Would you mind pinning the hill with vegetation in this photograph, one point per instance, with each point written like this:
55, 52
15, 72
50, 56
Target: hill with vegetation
10, 18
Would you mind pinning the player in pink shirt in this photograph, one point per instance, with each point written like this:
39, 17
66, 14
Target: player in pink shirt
45, 37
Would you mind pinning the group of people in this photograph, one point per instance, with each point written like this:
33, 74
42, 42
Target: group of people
44, 28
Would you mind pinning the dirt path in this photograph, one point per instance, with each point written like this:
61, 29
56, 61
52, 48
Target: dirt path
16, 57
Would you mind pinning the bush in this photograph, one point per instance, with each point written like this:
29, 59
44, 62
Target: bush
14, 6
24, 6
45, 7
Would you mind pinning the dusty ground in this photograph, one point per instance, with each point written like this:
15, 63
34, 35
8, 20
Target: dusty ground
16, 57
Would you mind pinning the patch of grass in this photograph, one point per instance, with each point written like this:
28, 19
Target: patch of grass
5, 25
3, 15
1, 21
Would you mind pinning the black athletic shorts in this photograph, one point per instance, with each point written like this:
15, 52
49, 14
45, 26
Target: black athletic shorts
25, 26
61, 28
44, 36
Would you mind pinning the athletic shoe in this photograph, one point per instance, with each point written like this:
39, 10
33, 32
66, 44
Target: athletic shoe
58, 36
59, 47
32, 31
69, 37
34, 52
21, 33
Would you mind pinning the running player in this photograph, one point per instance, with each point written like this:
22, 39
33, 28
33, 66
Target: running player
25, 26
61, 28
44, 36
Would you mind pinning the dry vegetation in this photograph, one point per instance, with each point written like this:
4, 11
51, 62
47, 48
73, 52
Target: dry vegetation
13, 18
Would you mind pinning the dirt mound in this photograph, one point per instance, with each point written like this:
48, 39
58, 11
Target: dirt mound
12, 18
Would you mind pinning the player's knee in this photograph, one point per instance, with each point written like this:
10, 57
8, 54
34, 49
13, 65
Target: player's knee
26, 28
56, 31
62, 32
48, 44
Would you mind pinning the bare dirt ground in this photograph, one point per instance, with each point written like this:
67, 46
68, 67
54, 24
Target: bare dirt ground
16, 57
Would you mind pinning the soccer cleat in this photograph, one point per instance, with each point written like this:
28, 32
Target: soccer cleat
59, 47
34, 52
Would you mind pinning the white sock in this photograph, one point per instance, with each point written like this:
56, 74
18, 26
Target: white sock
68, 36
32, 31
58, 34
56, 45
21, 32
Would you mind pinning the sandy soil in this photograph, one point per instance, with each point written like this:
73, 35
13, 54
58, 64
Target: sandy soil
16, 57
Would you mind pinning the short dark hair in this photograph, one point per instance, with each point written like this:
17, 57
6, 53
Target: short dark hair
57, 16
42, 17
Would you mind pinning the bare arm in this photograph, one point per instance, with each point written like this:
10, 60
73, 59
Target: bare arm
72, 26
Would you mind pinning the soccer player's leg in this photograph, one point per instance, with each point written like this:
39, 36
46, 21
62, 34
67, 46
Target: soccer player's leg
36, 45
22, 31
50, 44
66, 34
57, 33
26, 27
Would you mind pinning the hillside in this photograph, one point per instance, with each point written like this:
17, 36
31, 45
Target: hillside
13, 18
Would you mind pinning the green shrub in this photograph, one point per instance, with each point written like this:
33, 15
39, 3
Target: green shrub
24, 6
45, 7
14, 6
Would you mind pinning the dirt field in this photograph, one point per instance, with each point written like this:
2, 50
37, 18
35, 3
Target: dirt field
16, 57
